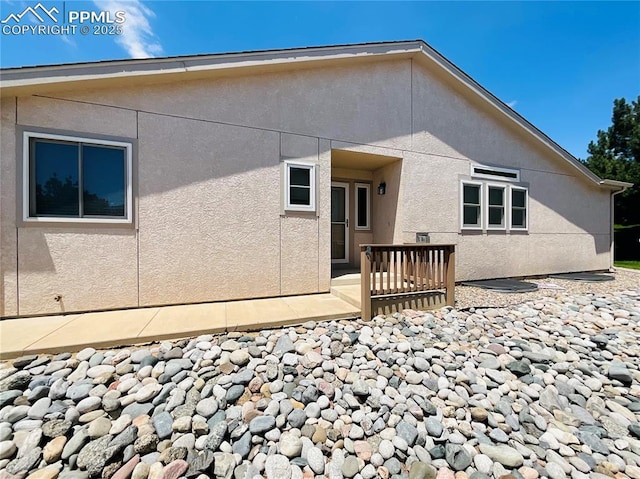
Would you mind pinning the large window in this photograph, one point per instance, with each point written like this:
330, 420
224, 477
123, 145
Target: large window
519, 202
496, 207
493, 206
300, 186
472, 205
76, 179
363, 206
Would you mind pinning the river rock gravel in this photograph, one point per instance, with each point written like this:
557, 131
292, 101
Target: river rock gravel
548, 387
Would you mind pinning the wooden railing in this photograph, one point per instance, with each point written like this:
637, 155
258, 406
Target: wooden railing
417, 276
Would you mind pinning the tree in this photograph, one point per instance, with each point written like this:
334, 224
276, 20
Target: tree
616, 155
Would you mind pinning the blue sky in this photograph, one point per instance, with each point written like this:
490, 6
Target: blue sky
559, 64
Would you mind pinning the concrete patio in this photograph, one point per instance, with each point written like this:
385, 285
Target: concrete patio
72, 332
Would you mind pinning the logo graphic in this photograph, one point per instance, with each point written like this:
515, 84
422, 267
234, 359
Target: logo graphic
39, 20
34, 12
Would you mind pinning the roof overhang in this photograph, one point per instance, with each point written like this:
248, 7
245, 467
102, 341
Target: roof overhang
15, 81
616, 185
38, 79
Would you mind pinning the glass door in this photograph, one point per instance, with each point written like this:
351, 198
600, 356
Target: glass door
339, 222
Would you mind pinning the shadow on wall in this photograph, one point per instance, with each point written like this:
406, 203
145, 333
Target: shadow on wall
35, 254
455, 123
386, 207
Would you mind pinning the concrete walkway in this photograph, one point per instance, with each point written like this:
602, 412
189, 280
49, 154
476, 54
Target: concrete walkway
72, 332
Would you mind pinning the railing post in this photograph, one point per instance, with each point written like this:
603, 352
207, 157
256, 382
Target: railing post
451, 276
365, 286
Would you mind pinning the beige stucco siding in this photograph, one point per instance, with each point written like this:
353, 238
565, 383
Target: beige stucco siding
450, 123
368, 104
299, 233
299, 249
560, 204
90, 118
8, 235
89, 268
209, 211
498, 255
324, 219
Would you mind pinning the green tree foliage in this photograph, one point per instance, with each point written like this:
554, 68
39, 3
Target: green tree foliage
616, 155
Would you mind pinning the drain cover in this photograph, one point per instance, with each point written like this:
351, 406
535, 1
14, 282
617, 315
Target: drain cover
586, 277
503, 285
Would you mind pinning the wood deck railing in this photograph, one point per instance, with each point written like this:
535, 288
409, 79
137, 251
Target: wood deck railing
417, 276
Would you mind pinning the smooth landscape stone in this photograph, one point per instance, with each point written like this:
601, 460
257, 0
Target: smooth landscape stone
277, 466
421, 470
7, 449
48, 472
163, 424
350, 467
125, 471
290, 445
457, 457
100, 370
53, 450
99, 427
174, 469
476, 392
620, 373
407, 432
505, 455
262, 424
519, 368
316, 460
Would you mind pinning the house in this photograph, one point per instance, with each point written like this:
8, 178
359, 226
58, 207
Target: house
214, 177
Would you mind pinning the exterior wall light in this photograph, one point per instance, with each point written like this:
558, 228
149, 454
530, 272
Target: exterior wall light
382, 188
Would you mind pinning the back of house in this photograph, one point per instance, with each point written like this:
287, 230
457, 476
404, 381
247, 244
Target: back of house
193, 179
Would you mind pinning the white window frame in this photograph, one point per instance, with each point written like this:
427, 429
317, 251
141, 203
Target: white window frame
497, 169
526, 208
26, 197
312, 186
480, 219
367, 187
506, 196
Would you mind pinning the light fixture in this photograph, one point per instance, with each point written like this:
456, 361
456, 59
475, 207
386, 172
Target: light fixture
382, 188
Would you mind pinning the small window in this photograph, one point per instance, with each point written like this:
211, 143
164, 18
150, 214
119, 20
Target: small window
519, 200
362, 206
495, 173
76, 179
496, 207
300, 187
471, 205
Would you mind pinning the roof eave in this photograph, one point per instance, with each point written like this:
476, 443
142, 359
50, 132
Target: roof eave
15, 78
616, 184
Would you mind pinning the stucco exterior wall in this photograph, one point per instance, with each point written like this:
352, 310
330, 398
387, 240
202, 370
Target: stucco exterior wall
8, 193
209, 217
209, 211
366, 104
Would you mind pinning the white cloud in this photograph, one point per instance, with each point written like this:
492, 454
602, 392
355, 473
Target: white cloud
68, 40
137, 37
512, 104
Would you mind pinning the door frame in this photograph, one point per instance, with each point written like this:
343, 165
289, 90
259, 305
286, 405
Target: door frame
347, 245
